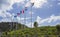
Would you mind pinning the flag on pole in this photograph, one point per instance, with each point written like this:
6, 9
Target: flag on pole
25, 8
15, 16
18, 14
22, 11
32, 4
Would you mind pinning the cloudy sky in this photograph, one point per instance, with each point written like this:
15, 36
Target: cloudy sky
45, 12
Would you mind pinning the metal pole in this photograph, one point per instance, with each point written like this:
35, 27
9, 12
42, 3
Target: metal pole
11, 22
24, 19
31, 13
16, 25
20, 22
31, 16
24, 16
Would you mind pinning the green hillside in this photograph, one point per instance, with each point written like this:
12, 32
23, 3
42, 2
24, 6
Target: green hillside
53, 31
20, 30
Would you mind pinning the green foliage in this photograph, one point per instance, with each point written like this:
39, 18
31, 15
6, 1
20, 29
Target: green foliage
58, 27
39, 31
35, 24
23, 30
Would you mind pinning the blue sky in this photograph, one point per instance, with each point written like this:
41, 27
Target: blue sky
45, 12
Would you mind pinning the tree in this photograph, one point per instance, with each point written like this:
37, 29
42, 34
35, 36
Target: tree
58, 28
35, 24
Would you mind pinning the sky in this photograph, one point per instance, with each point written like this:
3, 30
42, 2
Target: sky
45, 12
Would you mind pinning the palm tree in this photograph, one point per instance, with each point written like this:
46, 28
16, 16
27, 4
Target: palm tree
35, 24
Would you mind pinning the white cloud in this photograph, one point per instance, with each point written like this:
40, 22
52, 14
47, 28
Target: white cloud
20, 18
44, 20
4, 5
5, 20
4, 14
31, 13
58, 0
29, 24
28, 4
9, 4
58, 3
51, 5
52, 18
38, 19
15, 1
38, 3
57, 23
8, 17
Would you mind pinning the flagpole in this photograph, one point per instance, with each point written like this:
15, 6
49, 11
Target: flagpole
24, 16
20, 22
31, 16
11, 22
14, 19
18, 14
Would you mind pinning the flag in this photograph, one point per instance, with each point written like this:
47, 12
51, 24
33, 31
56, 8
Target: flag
15, 16
32, 4
22, 11
25, 8
18, 14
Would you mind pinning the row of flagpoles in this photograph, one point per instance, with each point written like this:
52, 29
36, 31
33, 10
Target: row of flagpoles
22, 12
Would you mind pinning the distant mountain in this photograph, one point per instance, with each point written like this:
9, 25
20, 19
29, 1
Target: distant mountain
9, 26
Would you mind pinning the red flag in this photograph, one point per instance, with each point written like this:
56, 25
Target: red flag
22, 11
